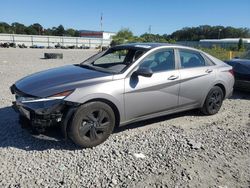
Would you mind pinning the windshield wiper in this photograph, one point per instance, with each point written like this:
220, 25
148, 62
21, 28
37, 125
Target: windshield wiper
96, 68
87, 66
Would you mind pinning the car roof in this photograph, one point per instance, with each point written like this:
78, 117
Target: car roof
150, 45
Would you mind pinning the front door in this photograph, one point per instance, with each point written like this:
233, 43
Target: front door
148, 95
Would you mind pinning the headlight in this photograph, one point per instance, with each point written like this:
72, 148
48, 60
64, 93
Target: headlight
25, 99
37, 99
61, 95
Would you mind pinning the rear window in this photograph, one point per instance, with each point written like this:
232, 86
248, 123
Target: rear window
191, 59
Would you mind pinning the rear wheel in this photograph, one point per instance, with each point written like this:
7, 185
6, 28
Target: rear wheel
92, 124
213, 101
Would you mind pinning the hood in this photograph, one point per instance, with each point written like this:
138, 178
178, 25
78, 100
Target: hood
53, 81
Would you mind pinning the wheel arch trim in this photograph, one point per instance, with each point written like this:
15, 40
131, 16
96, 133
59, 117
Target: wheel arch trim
108, 99
217, 83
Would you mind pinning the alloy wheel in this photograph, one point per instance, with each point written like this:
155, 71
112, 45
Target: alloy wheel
94, 125
215, 101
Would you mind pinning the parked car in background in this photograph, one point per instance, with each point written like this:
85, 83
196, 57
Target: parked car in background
241, 68
121, 85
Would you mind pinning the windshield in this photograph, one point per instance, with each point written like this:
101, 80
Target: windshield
114, 60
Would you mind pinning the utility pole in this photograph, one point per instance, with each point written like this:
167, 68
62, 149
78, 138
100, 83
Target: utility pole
101, 21
149, 29
101, 30
219, 33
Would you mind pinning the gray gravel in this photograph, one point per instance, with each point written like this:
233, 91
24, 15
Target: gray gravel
182, 150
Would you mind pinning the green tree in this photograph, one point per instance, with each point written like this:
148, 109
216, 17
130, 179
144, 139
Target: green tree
18, 28
2, 29
77, 33
240, 44
208, 32
123, 36
70, 32
153, 38
31, 31
54, 31
5, 28
48, 31
60, 30
38, 27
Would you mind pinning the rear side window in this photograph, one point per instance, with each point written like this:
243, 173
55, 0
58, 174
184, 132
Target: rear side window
209, 62
191, 59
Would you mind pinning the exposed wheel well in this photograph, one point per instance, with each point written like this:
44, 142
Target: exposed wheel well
223, 89
112, 105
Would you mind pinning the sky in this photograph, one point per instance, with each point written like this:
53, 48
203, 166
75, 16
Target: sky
164, 16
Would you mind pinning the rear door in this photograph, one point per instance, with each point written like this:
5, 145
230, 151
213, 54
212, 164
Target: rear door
196, 76
147, 95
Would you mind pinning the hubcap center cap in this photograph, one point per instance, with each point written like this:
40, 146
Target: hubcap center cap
95, 124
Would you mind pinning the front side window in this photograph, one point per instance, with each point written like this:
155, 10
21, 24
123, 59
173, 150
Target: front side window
191, 59
160, 61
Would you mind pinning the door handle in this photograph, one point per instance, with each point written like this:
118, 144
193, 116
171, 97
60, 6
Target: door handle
173, 77
209, 71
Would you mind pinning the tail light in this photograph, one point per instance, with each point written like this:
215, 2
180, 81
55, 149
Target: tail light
231, 71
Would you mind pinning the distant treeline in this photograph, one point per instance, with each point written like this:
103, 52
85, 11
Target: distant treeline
184, 34
37, 29
209, 32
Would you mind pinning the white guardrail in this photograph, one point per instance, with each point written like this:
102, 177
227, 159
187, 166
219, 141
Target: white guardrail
46, 41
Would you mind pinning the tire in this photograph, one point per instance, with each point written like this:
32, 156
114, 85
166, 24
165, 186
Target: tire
92, 124
53, 55
213, 101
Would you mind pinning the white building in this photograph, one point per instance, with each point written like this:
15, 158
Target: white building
96, 34
226, 40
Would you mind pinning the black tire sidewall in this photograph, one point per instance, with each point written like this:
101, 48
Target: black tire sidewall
77, 120
53, 55
206, 104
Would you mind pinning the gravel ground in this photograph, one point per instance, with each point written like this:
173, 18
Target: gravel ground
181, 150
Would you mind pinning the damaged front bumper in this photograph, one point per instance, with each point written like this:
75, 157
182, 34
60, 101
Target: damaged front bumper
43, 112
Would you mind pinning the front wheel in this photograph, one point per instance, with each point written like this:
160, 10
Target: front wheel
213, 101
92, 124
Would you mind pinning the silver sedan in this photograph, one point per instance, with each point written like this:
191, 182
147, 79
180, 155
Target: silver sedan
124, 84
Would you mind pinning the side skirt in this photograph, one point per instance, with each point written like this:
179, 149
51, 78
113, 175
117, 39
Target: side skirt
159, 114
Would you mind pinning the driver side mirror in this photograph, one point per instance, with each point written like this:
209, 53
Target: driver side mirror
143, 71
